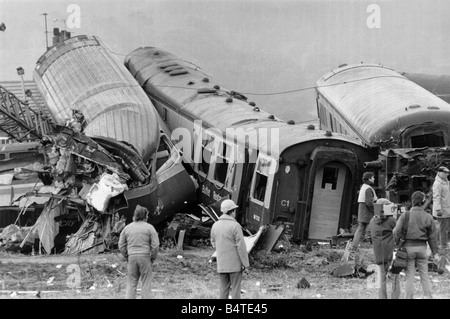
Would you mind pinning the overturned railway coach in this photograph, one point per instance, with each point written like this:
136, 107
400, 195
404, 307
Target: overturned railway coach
80, 74
277, 172
408, 125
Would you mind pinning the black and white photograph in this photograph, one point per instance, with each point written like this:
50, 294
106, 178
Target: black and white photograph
203, 151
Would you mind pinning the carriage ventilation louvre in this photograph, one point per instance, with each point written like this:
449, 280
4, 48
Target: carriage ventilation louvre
178, 72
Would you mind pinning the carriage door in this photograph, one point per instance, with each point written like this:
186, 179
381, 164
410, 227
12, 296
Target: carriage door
326, 204
260, 191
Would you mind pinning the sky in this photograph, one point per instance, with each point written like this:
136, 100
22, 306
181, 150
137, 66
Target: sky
273, 51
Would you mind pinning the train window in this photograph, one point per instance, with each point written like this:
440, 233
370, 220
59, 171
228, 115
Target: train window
431, 140
165, 115
323, 119
330, 177
221, 167
260, 187
331, 123
220, 172
206, 156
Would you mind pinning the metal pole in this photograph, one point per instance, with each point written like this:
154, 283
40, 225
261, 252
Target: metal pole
46, 32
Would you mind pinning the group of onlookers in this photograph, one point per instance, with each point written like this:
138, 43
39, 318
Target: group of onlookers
422, 234
417, 228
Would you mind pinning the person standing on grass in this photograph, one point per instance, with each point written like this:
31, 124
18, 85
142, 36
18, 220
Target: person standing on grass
232, 258
421, 229
366, 198
441, 205
381, 228
139, 244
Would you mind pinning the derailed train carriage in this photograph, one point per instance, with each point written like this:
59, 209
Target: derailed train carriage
117, 129
406, 124
278, 172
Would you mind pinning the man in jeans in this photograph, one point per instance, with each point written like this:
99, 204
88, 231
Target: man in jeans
139, 244
420, 231
366, 199
441, 205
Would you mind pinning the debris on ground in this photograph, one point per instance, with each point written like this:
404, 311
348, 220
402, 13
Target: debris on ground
303, 284
88, 185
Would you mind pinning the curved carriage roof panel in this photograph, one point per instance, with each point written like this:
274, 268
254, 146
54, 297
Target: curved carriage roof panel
379, 102
437, 84
82, 74
196, 96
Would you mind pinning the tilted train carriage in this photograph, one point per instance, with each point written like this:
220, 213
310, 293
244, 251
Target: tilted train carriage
278, 172
80, 74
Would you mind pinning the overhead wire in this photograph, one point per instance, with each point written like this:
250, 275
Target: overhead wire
280, 92
248, 93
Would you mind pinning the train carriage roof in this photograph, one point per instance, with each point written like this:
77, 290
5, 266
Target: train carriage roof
197, 97
82, 74
377, 101
438, 84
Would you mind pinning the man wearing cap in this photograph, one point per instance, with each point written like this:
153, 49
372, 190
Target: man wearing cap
421, 230
366, 198
381, 227
441, 205
232, 258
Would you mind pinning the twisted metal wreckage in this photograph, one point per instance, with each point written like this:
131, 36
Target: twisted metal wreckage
89, 187
108, 152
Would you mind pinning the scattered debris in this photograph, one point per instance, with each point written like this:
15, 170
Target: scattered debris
347, 251
317, 261
344, 270
274, 287
50, 281
269, 237
12, 237
303, 284
343, 236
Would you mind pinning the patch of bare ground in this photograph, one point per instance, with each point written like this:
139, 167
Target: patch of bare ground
189, 274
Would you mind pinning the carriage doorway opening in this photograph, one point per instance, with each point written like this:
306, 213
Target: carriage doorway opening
329, 185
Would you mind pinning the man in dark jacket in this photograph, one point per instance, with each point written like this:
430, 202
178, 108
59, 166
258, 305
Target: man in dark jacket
366, 198
139, 244
232, 257
421, 229
381, 226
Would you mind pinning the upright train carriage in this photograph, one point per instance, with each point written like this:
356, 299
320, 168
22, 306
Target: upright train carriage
278, 172
439, 85
382, 108
408, 125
